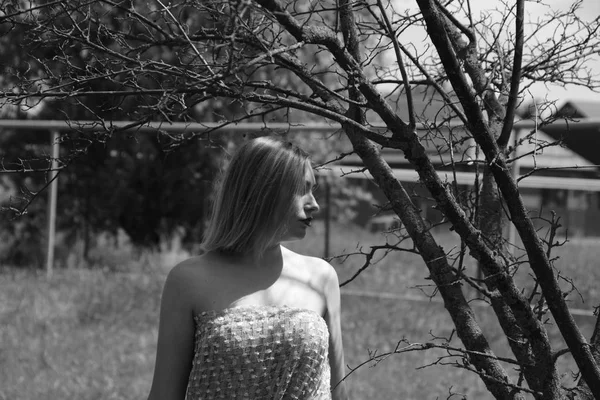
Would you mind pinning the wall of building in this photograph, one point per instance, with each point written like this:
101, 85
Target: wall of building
579, 210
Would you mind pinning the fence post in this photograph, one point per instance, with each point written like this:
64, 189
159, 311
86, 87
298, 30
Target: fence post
327, 232
53, 178
515, 170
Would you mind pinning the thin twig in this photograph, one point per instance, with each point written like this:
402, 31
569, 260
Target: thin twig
394, 39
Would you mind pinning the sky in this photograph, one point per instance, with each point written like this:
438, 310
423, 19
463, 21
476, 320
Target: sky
588, 10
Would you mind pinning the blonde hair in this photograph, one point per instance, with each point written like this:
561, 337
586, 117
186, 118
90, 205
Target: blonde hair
256, 194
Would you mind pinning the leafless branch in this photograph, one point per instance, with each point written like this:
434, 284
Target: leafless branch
515, 78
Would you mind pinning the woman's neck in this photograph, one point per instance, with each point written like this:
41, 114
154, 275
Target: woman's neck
272, 257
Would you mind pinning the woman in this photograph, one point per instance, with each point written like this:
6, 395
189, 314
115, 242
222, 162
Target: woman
250, 319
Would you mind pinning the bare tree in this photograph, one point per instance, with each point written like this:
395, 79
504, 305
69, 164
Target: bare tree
276, 60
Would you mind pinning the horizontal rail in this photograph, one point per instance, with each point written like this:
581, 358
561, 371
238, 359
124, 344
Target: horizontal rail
185, 127
468, 178
437, 300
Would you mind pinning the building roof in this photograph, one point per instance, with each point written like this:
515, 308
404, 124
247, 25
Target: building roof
554, 160
583, 140
579, 109
552, 156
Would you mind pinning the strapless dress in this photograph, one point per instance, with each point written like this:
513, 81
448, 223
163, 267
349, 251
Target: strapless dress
260, 352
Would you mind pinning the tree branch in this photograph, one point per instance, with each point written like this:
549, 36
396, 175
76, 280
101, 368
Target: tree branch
515, 78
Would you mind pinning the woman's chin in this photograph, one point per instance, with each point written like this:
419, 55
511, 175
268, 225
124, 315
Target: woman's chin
294, 238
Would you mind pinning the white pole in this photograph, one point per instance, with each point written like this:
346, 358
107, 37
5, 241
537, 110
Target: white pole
515, 170
327, 215
52, 202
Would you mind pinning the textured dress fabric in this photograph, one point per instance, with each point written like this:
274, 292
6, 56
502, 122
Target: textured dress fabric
260, 352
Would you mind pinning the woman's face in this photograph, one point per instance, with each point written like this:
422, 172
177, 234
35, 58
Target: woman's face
305, 206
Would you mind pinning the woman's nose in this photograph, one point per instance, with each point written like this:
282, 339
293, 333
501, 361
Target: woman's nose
312, 204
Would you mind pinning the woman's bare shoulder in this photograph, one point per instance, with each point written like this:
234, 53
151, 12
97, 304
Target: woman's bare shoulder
309, 261
191, 280
187, 270
315, 266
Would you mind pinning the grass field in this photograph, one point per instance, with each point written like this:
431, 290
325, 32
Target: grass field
91, 333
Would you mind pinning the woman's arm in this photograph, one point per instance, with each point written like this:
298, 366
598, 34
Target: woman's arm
175, 348
336, 348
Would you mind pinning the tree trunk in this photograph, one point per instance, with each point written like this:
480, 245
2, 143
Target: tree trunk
496, 161
490, 370
582, 391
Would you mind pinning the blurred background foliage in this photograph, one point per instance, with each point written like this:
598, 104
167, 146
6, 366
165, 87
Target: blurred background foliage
128, 183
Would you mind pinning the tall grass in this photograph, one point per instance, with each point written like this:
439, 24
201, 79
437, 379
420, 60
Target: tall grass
90, 333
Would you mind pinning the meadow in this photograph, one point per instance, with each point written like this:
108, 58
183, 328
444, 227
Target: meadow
90, 333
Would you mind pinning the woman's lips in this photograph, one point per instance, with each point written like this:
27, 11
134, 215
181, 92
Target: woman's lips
306, 221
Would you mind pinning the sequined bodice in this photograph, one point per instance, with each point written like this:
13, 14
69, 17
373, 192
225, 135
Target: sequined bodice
260, 352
